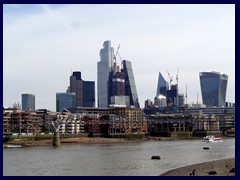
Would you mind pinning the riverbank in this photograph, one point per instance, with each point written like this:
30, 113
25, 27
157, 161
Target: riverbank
225, 167
89, 140
74, 140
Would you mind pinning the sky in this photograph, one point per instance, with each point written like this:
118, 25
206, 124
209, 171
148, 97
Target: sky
43, 44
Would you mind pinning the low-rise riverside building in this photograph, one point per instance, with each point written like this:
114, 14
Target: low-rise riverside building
120, 120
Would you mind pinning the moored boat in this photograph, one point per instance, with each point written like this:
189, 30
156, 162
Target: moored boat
211, 139
12, 146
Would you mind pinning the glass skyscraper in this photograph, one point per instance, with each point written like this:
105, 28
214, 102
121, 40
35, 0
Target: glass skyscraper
161, 95
28, 102
162, 87
103, 70
213, 88
65, 101
130, 87
88, 94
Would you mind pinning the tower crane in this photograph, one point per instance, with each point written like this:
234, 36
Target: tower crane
121, 71
115, 57
177, 87
186, 94
177, 76
170, 79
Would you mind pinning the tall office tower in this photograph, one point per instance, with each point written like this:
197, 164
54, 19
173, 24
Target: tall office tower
213, 88
161, 95
84, 90
130, 87
76, 86
172, 96
28, 102
116, 89
116, 82
65, 101
103, 69
162, 87
88, 94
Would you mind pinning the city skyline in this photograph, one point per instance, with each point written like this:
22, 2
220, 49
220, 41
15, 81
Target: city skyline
44, 44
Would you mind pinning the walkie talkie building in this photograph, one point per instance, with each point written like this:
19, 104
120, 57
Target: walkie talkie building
213, 88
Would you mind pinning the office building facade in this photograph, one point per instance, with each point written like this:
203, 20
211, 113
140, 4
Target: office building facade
213, 88
28, 102
161, 95
84, 90
76, 86
88, 94
162, 86
130, 86
103, 70
115, 84
65, 101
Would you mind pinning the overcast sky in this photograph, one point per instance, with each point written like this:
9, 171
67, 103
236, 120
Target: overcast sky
43, 44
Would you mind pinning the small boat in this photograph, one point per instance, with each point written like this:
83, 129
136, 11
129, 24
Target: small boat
12, 146
211, 139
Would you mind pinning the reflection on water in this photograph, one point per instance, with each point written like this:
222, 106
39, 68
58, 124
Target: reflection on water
130, 159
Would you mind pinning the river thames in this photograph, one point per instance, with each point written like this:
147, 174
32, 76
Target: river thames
125, 159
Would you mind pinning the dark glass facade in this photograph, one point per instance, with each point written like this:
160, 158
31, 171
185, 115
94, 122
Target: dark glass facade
115, 84
84, 90
28, 102
213, 88
172, 96
162, 87
65, 101
130, 87
88, 94
76, 86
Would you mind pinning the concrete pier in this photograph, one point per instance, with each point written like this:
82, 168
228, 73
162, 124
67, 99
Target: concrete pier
56, 139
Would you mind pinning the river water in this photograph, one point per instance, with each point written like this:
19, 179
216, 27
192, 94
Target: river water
126, 159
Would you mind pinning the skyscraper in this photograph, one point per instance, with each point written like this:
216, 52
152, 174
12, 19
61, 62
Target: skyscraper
28, 102
65, 101
84, 90
213, 88
88, 94
76, 86
103, 70
161, 95
130, 87
162, 87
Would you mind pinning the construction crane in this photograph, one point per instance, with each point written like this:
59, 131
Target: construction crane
115, 57
122, 77
186, 94
177, 76
170, 79
177, 87
121, 71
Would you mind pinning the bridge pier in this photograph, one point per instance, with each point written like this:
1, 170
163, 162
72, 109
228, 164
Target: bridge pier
56, 139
